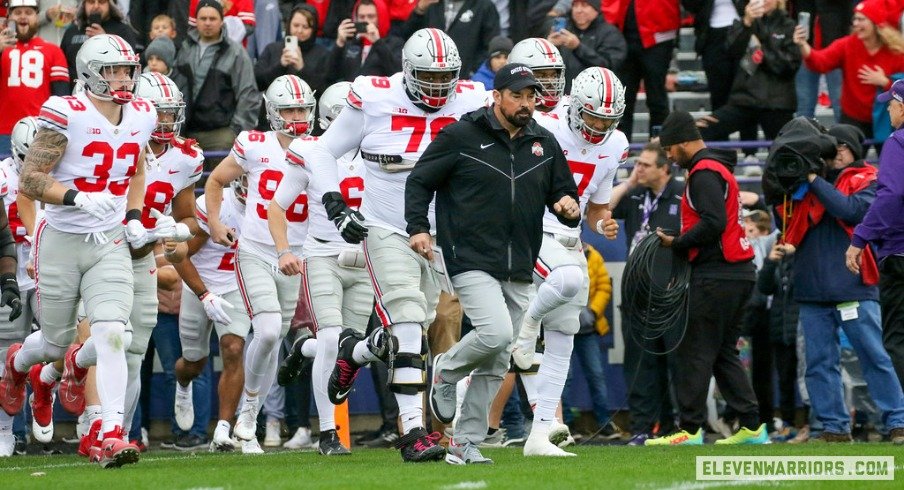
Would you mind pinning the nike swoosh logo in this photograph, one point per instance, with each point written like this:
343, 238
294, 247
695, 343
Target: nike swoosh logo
484, 147
152, 271
117, 242
602, 156
343, 394
44, 431
171, 172
133, 133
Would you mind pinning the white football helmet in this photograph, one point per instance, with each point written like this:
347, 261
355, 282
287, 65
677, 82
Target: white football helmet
287, 92
332, 100
539, 54
21, 3
240, 188
430, 51
101, 53
23, 134
166, 97
599, 93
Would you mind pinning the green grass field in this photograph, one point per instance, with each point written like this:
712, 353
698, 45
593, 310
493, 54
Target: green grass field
595, 467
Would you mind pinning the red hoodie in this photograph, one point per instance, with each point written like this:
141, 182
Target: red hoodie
383, 21
322, 6
401, 9
657, 20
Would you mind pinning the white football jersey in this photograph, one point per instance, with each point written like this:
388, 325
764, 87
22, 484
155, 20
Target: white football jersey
264, 162
593, 166
99, 156
214, 262
9, 189
396, 126
323, 239
177, 168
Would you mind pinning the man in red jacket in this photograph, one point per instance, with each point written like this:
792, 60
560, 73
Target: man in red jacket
650, 28
722, 279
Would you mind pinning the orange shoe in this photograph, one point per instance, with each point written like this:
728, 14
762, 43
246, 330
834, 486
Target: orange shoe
12, 384
72, 385
113, 452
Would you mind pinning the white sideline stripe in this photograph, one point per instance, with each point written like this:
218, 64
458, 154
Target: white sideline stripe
85, 462
692, 485
465, 485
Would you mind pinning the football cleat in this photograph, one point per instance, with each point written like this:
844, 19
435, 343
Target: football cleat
12, 384
295, 363
679, 438
89, 439
346, 369
72, 384
747, 436
329, 444
184, 408
418, 446
41, 401
113, 452
246, 423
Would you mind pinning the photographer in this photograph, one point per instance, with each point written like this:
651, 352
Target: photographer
820, 226
355, 39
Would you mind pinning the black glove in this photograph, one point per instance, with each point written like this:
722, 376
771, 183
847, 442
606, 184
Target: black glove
10, 295
349, 222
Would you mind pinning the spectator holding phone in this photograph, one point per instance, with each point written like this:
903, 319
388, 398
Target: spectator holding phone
355, 38
298, 54
586, 40
92, 18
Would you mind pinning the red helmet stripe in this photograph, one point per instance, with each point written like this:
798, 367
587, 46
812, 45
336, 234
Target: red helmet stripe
608, 87
296, 88
163, 85
123, 46
547, 50
438, 43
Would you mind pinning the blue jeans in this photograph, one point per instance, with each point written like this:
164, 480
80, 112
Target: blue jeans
512, 416
589, 354
5, 146
169, 349
823, 353
807, 85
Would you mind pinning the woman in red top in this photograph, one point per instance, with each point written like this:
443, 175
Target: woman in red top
867, 56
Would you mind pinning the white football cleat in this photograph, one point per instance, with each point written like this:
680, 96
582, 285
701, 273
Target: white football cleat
538, 444
300, 440
272, 438
246, 423
221, 441
7, 445
559, 434
184, 408
251, 447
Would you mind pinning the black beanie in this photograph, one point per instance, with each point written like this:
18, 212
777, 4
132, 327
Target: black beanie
679, 127
210, 3
850, 136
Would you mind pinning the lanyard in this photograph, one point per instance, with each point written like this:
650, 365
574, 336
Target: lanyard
649, 207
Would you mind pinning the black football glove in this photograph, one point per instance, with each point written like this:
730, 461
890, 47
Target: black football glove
10, 295
349, 222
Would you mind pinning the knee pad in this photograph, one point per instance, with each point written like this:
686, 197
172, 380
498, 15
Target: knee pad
405, 305
567, 280
407, 386
127, 342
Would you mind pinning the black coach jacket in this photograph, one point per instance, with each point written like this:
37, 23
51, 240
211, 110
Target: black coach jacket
491, 193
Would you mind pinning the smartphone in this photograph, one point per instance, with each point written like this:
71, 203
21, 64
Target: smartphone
11, 27
803, 20
292, 42
94, 19
360, 27
558, 24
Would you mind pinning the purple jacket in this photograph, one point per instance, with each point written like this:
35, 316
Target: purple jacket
883, 225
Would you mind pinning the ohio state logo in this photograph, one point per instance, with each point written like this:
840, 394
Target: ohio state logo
537, 149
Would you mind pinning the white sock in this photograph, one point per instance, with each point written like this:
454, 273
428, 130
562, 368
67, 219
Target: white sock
182, 390
224, 423
551, 377
529, 381
93, 412
268, 382
49, 374
362, 355
133, 388
87, 355
309, 347
112, 372
560, 286
260, 350
411, 411
327, 350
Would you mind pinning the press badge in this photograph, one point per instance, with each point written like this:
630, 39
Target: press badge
848, 310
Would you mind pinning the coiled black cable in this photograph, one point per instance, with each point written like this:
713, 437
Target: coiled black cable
655, 294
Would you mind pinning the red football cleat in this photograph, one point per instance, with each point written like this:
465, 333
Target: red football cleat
42, 397
113, 452
89, 439
72, 385
12, 384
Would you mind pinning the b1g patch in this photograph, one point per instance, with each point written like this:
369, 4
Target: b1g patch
537, 149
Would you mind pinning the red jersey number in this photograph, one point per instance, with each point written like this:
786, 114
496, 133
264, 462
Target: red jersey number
100, 181
266, 187
346, 186
583, 172
418, 126
156, 196
227, 263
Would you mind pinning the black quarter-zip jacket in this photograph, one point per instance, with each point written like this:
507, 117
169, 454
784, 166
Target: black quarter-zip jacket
491, 193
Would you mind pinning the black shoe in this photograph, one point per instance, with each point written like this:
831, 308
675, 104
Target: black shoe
385, 438
418, 446
21, 446
169, 443
608, 432
367, 436
346, 369
329, 444
295, 363
190, 442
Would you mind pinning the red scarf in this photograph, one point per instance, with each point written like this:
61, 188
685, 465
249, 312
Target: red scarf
808, 212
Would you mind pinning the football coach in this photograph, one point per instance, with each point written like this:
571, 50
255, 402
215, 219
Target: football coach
492, 173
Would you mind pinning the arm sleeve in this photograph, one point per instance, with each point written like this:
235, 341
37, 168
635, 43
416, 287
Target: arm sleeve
849, 209
827, 59
294, 182
344, 134
888, 208
248, 99
561, 184
707, 190
431, 170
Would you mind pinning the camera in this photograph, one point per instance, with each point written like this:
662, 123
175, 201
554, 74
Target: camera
360, 27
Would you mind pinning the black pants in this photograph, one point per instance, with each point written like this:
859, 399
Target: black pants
709, 348
761, 365
720, 67
646, 370
739, 118
891, 297
785, 357
650, 65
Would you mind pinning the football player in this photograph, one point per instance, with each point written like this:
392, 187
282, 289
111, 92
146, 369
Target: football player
545, 61
87, 164
268, 294
392, 120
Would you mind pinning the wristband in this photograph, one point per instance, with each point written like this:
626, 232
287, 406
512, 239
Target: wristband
203, 295
69, 197
280, 253
599, 227
133, 214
